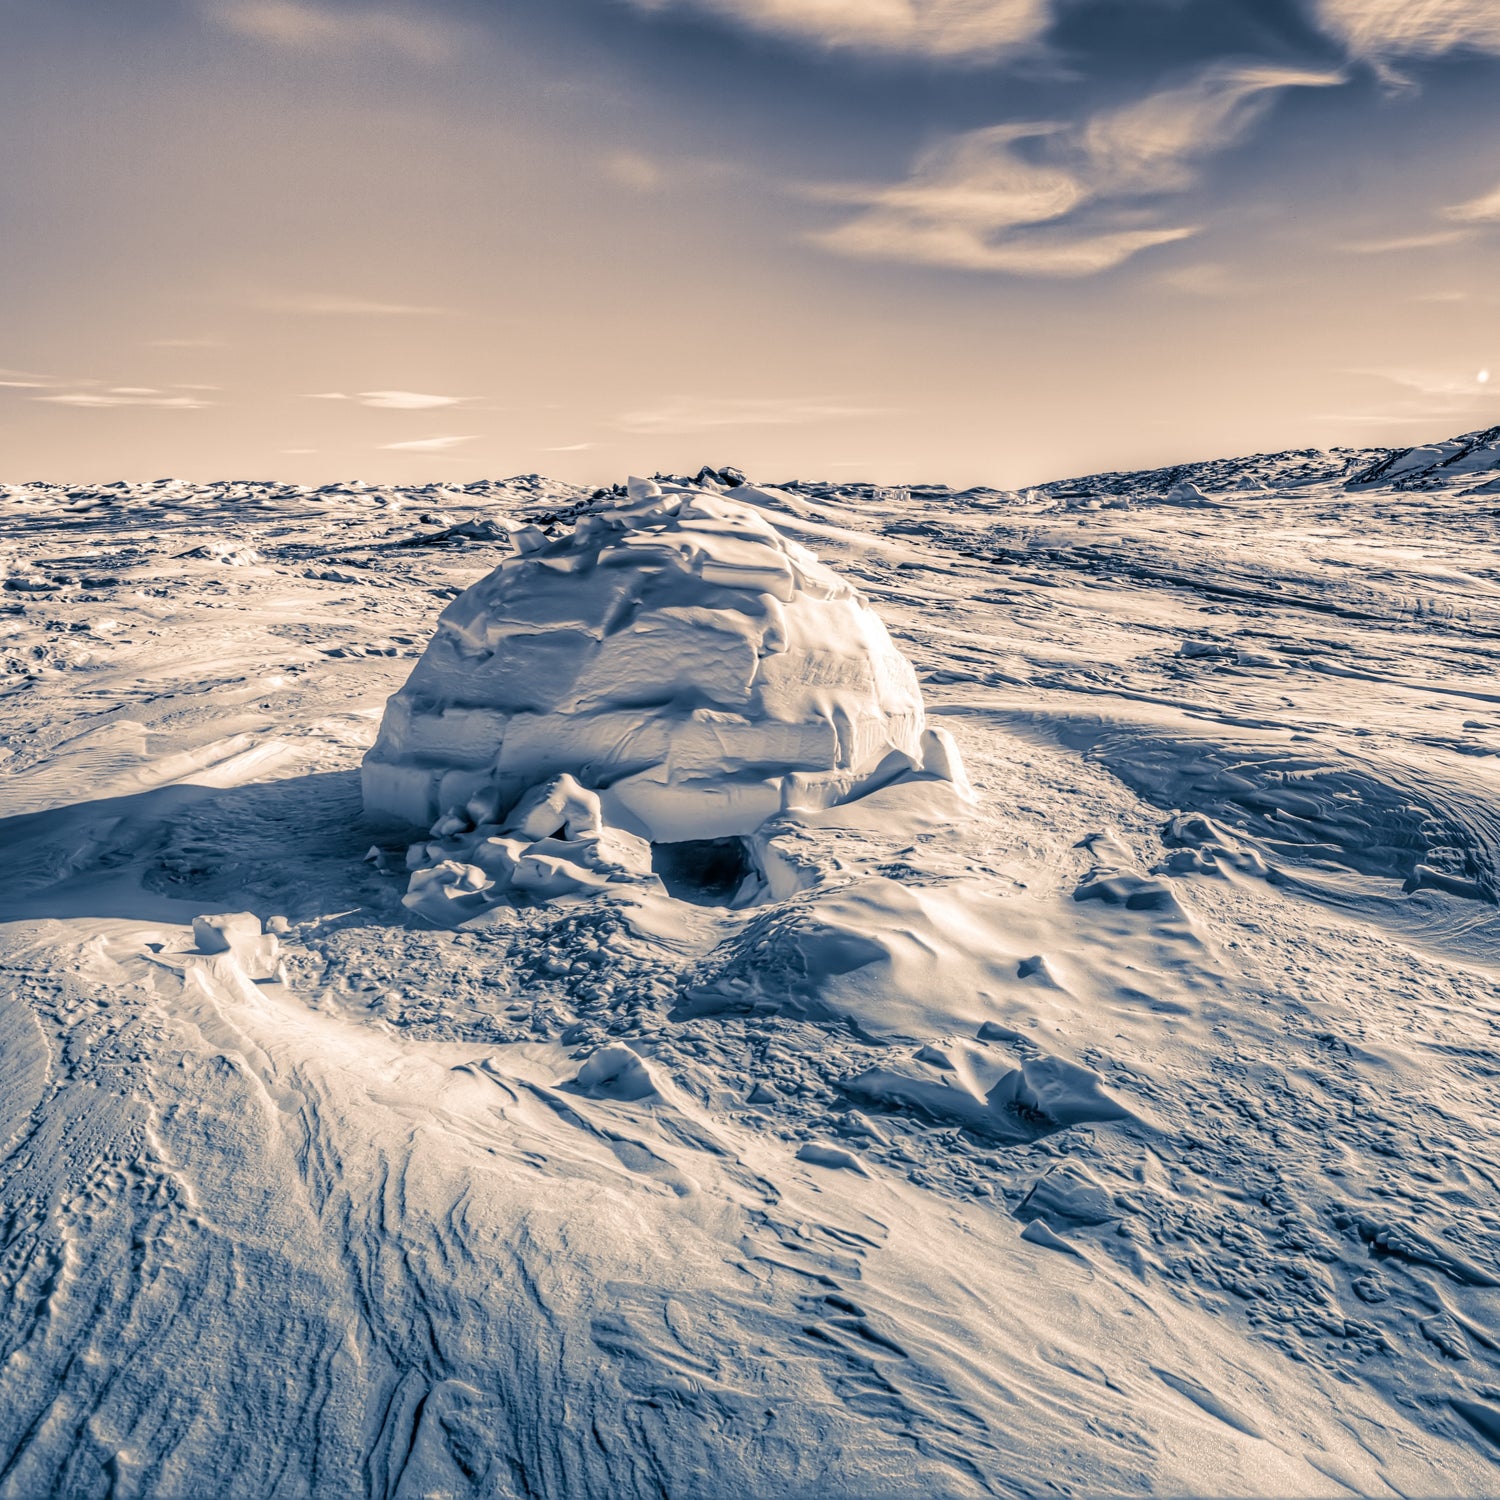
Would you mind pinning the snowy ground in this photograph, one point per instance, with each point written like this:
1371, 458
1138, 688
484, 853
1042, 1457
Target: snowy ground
1131, 1131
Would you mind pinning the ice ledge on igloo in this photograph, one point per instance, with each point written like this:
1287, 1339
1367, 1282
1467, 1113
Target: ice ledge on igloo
677, 656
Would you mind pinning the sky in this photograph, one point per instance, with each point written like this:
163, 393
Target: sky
958, 241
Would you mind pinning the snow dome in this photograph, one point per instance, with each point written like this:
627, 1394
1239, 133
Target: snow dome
675, 655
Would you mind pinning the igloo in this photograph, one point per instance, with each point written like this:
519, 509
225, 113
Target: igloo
674, 655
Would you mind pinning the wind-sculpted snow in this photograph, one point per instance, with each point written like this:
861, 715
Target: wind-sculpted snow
1122, 1124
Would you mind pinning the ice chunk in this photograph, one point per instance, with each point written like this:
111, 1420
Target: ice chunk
617, 1072
555, 843
431, 891
218, 934
238, 933
559, 806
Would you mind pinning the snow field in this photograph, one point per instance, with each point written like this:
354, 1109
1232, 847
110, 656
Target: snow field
1128, 1128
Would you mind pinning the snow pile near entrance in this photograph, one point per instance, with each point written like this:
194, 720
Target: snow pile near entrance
692, 670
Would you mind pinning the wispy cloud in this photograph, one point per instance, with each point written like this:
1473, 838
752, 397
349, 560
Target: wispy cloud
1009, 197
1377, 29
1435, 385
27, 380
705, 414
1482, 210
948, 29
341, 29
1422, 395
1405, 242
126, 395
568, 448
1208, 279
393, 400
632, 170
317, 305
1155, 144
427, 445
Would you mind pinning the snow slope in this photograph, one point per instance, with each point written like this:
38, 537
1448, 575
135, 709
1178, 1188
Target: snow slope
1130, 1128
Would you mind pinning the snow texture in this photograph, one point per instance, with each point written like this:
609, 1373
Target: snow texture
1117, 1120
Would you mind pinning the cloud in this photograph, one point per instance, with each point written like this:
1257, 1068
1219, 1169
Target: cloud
632, 170
1009, 197
1152, 146
1377, 29
301, 26
1424, 395
1407, 242
1482, 210
1445, 386
1207, 279
393, 400
26, 380
125, 395
1375, 418
335, 306
707, 414
568, 448
942, 29
426, 445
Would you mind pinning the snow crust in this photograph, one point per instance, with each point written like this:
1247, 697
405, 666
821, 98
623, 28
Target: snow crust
1125, 1126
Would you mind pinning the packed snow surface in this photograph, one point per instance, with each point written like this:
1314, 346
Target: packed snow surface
1121, 1121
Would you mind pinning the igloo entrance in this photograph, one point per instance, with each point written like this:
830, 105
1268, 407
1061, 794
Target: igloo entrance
708, 872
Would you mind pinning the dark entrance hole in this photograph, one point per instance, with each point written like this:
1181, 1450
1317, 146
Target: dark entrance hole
707, 872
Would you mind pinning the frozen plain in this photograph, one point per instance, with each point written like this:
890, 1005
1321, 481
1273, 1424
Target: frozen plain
1145, 1144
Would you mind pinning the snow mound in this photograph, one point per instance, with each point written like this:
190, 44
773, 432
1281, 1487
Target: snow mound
675, 654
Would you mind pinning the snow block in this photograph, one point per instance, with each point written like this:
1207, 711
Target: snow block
238, 933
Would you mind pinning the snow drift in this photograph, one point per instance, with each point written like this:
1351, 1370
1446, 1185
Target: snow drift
691, 670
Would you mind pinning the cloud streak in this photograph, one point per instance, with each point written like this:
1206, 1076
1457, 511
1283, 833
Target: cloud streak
393, 400
297, 25
125, 396
1482, 210
1380, 29
1011, 198
427, 445
317, 305
1404, 242
26, 380
953, 30
708, 414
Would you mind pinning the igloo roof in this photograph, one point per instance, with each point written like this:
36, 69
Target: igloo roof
675, 653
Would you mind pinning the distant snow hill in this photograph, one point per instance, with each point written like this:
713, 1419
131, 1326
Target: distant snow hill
1468, 463
1474, 456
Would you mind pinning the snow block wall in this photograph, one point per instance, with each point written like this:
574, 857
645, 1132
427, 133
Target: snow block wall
676, 655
